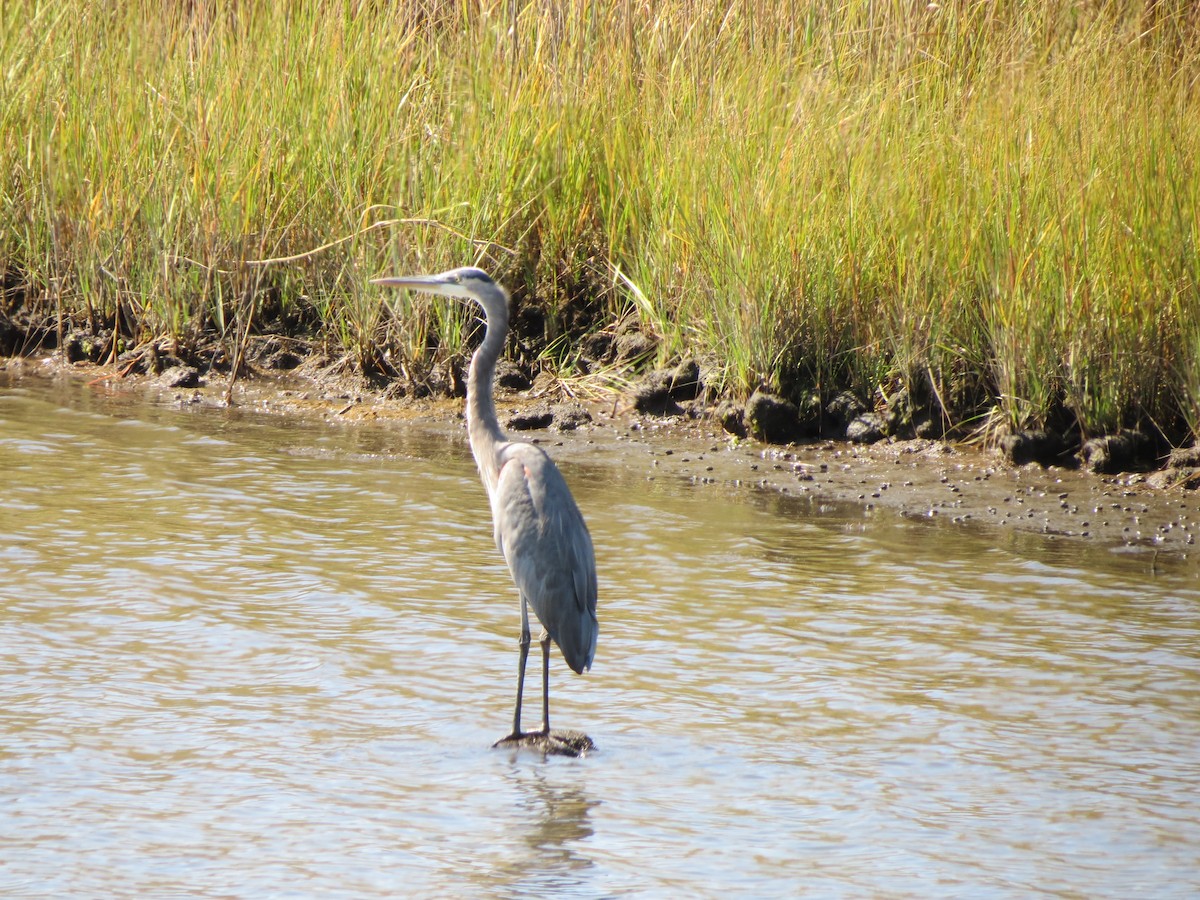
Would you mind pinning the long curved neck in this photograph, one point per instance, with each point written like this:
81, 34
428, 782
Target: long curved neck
483, 427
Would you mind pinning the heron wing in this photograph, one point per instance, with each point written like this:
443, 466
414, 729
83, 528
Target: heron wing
545, 541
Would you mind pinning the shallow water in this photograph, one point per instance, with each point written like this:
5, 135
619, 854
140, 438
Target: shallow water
244, 655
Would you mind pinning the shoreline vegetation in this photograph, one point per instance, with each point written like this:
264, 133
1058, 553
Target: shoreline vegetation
978, 220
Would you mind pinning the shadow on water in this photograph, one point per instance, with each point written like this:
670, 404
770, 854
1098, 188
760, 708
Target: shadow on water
248, 655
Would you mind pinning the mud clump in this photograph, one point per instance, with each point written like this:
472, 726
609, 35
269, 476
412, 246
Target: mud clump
1125, 451
559, 416
569, 416
778, 421
684, 382
79, 347
1035, 446
283, 361
911, 416
732, 417
661, 392
279, 356
627, 347
840, 412
531, 419
510, 377
655, 400
1182, 470
633, 345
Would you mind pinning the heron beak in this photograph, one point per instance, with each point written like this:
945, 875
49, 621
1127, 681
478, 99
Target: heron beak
432, 284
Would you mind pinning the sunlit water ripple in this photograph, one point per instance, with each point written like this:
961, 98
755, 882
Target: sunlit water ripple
248, 656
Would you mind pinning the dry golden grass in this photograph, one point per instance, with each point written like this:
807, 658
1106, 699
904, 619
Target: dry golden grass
991, 204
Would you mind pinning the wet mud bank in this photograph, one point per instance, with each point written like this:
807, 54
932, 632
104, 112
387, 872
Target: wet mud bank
673, 435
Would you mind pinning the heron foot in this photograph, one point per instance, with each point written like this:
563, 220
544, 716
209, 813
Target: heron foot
556, 743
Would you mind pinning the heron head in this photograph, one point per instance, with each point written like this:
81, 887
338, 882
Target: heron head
466, 283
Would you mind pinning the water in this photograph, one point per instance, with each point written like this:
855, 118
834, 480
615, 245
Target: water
249, 656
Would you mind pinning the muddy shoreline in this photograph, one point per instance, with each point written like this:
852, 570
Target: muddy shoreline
930, 480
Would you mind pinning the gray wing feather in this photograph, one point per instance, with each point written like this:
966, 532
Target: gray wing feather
546, 544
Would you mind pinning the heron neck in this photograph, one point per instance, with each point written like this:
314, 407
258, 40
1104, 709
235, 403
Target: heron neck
483, 427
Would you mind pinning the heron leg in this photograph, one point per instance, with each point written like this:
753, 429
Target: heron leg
545, 642
524, 644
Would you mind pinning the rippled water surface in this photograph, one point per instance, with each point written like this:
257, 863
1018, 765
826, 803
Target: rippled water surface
245, 656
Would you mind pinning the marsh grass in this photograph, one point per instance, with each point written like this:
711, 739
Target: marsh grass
991, 205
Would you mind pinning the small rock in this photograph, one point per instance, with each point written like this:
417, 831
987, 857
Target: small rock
179, 377
1184, 458
845, 408
1175, 476
930, 428
865, 429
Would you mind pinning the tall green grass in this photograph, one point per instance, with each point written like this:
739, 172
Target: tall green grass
992, 205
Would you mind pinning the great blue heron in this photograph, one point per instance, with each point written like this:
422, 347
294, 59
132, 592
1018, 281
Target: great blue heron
537, 525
